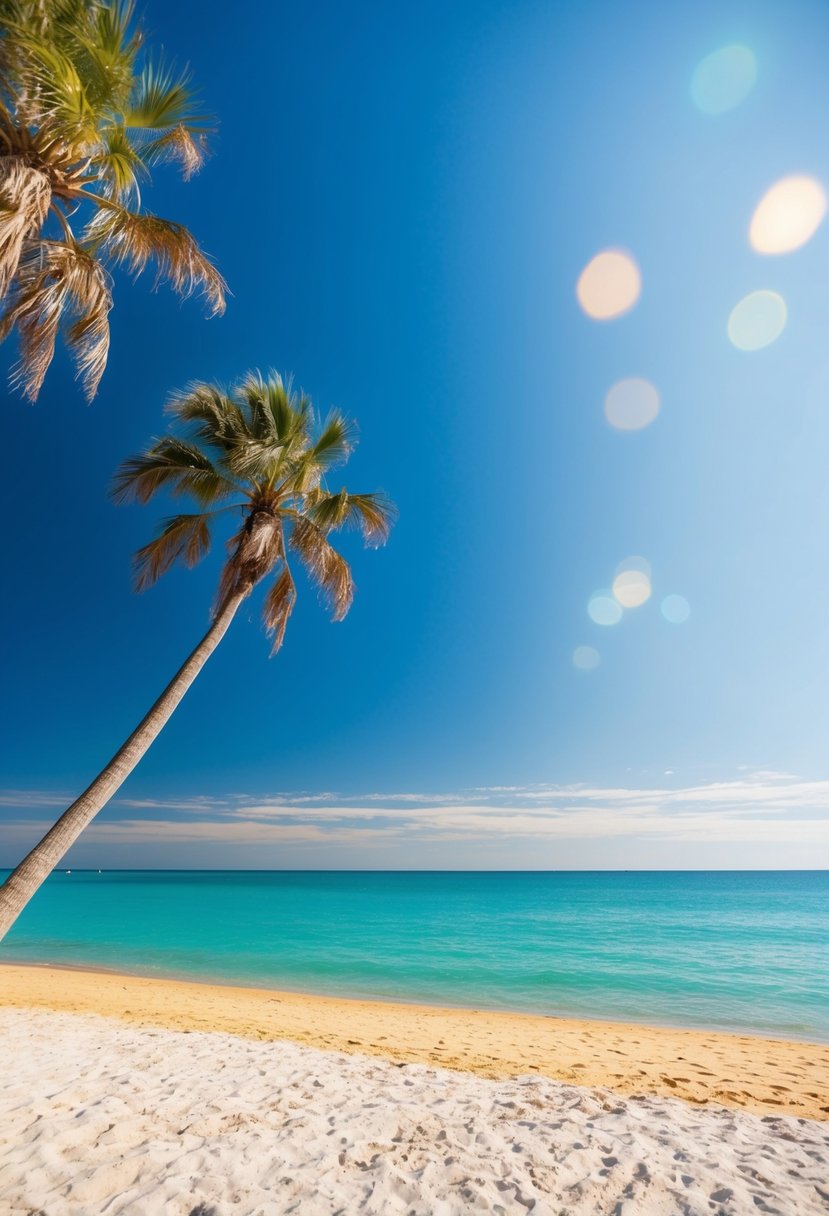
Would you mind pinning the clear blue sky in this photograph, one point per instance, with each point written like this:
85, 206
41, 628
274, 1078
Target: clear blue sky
402, 199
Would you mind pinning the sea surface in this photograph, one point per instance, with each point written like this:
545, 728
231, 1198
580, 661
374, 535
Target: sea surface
747, 951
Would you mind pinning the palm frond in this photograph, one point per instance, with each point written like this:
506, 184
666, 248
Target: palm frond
56, 280
256, 461
253, 395
184, 538
177, 146
57, 16
278, 606
25, 195
377, 516
336, 441
161, 99
25, 15
291, 412
325, 566
119, 165
55, 93
112, 24
88, 336
135, 240
312, 459
278, 422
102, 54
374, 514
216, 418
173, 464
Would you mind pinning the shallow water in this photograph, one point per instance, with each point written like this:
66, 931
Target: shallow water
747, 950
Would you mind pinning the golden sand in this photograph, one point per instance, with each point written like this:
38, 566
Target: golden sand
767, 1076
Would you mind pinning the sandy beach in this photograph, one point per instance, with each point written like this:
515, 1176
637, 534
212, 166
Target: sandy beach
766, 1076
141, 1096
98, 1115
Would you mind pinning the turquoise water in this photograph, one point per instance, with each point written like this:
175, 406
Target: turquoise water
724, 950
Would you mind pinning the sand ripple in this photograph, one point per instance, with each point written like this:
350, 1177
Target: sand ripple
97, 1116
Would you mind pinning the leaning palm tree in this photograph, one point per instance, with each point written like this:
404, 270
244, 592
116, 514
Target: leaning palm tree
258, 453
84, 116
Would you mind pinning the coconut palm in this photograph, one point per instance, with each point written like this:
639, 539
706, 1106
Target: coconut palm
85, 115
257, 453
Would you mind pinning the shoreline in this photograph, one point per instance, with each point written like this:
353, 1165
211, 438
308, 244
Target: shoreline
762, 1074
206, 981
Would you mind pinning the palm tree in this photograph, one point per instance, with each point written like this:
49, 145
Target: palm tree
258, 453
84, 116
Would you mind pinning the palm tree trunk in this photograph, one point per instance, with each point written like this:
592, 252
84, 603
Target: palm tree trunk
21, 885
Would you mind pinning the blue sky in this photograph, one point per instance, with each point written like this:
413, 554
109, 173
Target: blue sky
402, 202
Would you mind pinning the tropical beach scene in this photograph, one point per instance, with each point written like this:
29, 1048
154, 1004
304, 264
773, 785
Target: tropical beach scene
414, 794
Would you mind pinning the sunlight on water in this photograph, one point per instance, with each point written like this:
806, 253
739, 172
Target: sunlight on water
723, 79
788, 215
758, 320
631, 404
604, 609
586, 658
676, 609
609, 285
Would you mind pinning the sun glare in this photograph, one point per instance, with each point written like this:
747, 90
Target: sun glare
758, 320
723, 79
609, 285
788, 215
631, 404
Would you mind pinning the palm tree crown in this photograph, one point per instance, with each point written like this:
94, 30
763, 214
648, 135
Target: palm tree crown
84, 116
259, 452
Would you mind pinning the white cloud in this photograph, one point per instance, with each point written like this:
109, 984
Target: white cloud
769, 810
32, 798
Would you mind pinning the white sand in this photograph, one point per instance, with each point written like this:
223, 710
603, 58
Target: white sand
97, 1116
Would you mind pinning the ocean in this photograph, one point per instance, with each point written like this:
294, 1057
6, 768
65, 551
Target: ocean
725, 950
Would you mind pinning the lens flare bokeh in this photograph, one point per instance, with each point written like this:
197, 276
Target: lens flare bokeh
631, 404
609, 285
788, 215
676, 609
632, 584
757, 320
586, 658
604, 609
723, 79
